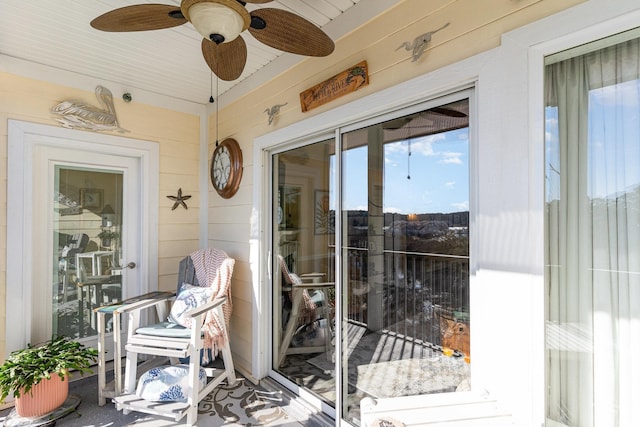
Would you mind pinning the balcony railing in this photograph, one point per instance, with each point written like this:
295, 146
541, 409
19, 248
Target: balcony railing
420, 296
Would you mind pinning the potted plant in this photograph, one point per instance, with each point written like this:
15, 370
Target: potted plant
38, 376
106, 235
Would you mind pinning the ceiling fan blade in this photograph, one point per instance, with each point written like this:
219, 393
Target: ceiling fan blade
450, 112
289, 32
139, 17
226, 60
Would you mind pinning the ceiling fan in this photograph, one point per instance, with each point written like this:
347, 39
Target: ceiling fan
220, 23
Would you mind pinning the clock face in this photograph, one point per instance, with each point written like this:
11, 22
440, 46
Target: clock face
226, 168
280, 215
221, 168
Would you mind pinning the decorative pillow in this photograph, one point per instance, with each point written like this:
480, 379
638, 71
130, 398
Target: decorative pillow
188, 298
168, 384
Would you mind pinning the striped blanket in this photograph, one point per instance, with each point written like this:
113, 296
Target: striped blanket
214, 268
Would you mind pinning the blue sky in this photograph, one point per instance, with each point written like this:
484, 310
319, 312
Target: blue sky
613, 149
439, 170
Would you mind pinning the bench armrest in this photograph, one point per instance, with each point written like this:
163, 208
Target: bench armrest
145, 303
205, 307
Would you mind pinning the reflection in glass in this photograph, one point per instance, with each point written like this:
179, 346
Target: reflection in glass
304, 283
404, 283
405, 251
592, 242
86, 247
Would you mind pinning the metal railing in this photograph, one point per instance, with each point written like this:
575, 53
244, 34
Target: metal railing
417, 296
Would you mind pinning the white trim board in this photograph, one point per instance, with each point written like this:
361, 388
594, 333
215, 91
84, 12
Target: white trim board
23, 137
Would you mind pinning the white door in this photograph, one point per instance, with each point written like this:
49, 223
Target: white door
83, 234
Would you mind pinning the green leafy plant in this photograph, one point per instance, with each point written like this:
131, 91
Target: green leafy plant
108, 234
25, 368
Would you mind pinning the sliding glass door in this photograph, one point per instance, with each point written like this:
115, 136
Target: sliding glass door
372, 259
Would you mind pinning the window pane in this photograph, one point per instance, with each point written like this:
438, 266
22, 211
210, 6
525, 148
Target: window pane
86, 238
593, 237
405, 252
304, 279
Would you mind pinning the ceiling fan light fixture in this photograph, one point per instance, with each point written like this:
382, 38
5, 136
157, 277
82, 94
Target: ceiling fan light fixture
214, 18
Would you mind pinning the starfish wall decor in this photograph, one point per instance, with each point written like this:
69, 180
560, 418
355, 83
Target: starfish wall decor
179, 200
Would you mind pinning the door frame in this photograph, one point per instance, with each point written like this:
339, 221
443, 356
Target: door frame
429, 87
435, 89
23, 138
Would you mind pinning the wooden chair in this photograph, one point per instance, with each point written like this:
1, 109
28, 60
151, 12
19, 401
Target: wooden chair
74, 245
303, 310
170, 340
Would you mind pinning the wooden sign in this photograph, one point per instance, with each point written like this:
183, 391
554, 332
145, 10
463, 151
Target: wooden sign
341, 84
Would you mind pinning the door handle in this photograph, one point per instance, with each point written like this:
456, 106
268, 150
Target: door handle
131, 265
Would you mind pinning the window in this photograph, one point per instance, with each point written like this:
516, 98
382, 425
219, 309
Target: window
593, 237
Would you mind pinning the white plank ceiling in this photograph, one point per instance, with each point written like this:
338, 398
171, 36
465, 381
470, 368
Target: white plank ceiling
54, 37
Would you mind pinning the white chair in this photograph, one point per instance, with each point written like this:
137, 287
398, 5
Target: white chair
171, 340
74, 245
304, 310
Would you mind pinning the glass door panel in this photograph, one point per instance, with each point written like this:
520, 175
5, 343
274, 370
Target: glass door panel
405, 257
304, 278
403, 248
87, 261
592, 241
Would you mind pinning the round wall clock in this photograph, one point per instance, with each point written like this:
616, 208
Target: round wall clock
226, 168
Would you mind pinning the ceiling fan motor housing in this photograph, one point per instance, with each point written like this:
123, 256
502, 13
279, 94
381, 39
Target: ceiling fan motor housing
217, 20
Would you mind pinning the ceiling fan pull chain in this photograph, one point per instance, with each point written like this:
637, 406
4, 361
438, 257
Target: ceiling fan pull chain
217, 99
211, 100
409, 160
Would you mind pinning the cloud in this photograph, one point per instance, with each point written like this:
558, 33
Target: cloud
424, 145
396, 147
450, 184
360, 208
461, 206
450, 157
549, 135
613, 95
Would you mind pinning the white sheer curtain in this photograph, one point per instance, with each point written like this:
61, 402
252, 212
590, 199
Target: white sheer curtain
593, 238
